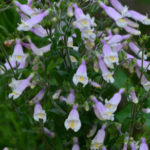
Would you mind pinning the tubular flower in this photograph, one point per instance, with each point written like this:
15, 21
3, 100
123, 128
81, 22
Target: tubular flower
18, 54
101, 111
98, 139
107, 75
136, 50
132, 31
70, 98
139, 17
112, 13
28, 24
49, 133
18, 86
81, 74
144, 81
113, 103
56, 94
110, 57
39, 51
38, 97
75, 145
143, 145
92, 131
73, 121
119, 7
39, 113
70, 44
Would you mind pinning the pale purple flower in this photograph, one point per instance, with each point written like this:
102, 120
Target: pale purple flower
94, 84
112, 13
144, 81
104, 148
136, 50
29, 2
38, 97
39, 113
125, 146
132, 31
133, 97
118, 38
119, 47
73, 121
27, 25
70, 98
82, 21
132, 23
110, 57
18, 86
107, 75
18, 54
49, 133
25, 8
113, 103
98, 140
139, 17
81, 74
39, 51
56, 94
70, 44
146, 64
92, 131
143, 145
122, 9
70, 11
39, 31
101, 111
119, 129
75, 144
133, 146
146, 110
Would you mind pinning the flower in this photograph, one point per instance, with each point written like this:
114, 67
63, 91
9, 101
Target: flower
39, 113
75, 145
70, 98
125, 146
133, 97
107, 75
132, 23
143, 145
139, 17
70, 11
122, 9
113, 103
132, 31
39, 30
49, 133
73, 121
39, 51
98, 139
104, 148
38, 97
110, 57
18, 54
133, 146
101, 111
81, 74
118, 38
18, 86
28, 24
92, 131
146, 110
56, 94
112, 13
70, 44
94, 84
136, 50
144, 81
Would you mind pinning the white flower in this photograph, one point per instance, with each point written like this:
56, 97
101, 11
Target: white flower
81, 75
73, 121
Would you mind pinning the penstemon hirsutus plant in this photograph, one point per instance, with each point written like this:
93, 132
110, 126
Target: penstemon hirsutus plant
78, 72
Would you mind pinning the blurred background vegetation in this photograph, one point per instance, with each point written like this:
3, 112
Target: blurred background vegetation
17, 128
